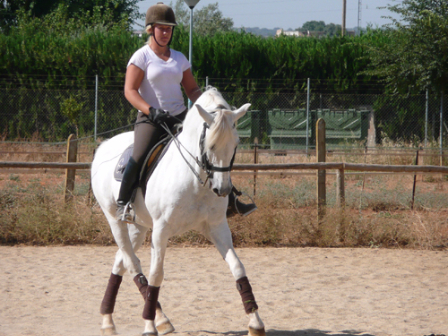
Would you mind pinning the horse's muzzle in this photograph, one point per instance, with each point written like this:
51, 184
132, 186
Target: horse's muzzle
222, 192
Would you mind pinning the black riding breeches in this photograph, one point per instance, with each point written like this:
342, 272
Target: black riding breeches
146, 135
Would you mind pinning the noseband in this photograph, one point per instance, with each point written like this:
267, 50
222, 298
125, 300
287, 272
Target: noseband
205, 163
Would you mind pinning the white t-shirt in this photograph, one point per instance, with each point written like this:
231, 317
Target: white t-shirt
160, 87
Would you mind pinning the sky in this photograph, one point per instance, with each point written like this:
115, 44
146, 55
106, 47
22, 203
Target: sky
293, 14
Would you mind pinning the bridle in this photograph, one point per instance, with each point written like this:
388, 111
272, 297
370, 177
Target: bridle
204, 162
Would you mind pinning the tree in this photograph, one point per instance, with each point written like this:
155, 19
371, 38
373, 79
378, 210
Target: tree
330, 29
313, 26
39, 8
9, 8
61, 22
206, 21
415, 55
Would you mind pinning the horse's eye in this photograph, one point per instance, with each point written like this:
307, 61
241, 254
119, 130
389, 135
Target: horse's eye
212, 148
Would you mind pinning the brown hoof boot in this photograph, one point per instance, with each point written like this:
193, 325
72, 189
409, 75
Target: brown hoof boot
257, 332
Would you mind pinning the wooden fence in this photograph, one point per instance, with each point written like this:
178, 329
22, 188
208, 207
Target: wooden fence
321, 166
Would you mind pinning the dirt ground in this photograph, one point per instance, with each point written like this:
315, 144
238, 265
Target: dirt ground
56, 291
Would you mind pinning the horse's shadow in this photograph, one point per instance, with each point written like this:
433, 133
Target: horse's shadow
306, 332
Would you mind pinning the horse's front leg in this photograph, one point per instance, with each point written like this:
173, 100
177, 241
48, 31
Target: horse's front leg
222, 238
162, 322
152, 307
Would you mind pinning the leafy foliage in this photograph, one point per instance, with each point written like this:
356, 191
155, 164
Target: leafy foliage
241, 57
414, 55
116, 10
69, 51
206, 21
330, 29
64, 50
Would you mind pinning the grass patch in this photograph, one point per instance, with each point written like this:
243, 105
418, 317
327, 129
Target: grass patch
377, 214
37, 215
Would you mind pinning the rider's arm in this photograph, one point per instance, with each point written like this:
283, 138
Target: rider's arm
134, 78
190, 86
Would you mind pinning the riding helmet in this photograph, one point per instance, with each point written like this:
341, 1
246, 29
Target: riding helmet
161, 14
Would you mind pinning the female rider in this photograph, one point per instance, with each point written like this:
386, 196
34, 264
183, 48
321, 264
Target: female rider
153, 82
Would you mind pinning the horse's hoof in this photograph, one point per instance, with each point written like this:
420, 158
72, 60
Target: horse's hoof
149, 333
257, 332
108, 331
165, 328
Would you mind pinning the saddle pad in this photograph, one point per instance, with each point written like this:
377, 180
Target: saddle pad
122, 163
149, 163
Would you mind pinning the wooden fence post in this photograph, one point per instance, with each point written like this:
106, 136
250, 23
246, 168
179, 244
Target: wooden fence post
340, 188
415, 182
72, 152
255, 162
321, 173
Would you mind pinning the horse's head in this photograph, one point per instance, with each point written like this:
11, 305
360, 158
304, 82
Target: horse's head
218, 145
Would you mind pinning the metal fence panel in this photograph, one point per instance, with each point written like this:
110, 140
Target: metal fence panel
277, 120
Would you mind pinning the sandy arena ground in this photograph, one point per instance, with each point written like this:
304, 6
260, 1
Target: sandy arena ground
56, 291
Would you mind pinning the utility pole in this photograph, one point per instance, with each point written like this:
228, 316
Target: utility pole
359, 16
344, 14
191, 4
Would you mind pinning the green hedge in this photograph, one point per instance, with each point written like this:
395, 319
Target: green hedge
56, 60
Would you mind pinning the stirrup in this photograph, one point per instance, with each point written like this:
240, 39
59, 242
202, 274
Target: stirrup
128, 215
252, 205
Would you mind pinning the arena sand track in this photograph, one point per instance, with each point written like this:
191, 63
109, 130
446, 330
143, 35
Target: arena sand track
55, 291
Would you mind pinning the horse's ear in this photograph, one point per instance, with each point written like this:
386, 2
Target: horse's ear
240, 112
208, 118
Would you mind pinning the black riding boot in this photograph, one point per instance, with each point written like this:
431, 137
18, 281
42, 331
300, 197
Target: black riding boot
236, 207
128, 184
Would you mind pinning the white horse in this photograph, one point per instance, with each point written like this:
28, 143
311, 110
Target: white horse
177, 200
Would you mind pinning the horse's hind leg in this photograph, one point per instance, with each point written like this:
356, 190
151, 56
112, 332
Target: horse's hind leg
108, 304
135, 236
161, 322
222, 238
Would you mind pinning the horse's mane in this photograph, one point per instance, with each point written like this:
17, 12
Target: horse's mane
222, 129
211, 99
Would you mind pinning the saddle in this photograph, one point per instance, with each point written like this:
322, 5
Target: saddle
151, 161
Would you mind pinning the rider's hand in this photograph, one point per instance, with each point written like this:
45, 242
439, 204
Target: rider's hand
158, 116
